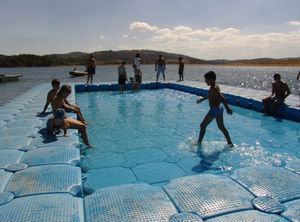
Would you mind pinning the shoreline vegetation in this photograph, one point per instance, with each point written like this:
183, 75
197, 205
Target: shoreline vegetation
116, 57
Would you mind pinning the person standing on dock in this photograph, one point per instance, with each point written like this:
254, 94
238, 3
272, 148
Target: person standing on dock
298, 78
160, 67
137, 61
280, 90
122, 76
180, 69
90, 68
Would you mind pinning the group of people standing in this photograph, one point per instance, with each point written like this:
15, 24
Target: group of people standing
136, 80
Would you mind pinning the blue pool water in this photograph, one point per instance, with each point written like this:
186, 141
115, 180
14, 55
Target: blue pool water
148, 137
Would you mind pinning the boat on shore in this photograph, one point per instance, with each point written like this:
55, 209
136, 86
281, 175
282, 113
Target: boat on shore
76, 73
8, 78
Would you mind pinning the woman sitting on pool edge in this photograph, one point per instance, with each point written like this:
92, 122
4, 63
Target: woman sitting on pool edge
60, 121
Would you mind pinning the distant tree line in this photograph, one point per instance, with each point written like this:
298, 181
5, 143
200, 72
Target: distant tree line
28, 60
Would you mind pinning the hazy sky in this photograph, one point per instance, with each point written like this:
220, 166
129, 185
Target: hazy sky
206, 29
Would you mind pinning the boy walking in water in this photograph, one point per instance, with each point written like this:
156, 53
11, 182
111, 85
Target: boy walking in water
216, 110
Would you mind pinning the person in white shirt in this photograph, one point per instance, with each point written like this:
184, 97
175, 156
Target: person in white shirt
137, 61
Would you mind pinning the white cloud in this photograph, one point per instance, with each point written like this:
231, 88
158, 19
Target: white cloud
294, 23
214, 42
142, 27
101, 36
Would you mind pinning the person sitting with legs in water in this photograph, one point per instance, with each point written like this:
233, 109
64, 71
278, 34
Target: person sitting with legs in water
216, 110
60, 121
280, 91
60, 101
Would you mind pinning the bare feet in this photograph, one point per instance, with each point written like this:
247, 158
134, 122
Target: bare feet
90, 146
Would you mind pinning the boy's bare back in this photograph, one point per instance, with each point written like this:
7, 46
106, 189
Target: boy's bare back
214, 95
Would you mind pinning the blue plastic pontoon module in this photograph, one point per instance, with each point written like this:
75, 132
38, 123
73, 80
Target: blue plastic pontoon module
292, 211
10, 156
48, 207
208, 195
275, 182
46, 179
53, 155
14, 142
294, 166
248, 216
130, 202
4, 178
17, 131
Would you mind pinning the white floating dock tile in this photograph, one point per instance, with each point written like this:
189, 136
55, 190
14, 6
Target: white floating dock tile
275, 182
14, 142
49, 207
22, 116
17, 131
185, 217
25, 123
10, 156
208, 195
48, 140
6, 197
52, 155
292, 211
46, 179
6, 117
294, 166
248, 216
128, 203
268, 205
4, 178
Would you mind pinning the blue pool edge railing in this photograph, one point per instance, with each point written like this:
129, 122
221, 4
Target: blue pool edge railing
284, 111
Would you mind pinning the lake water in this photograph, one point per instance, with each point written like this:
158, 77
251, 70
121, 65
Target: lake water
240, 76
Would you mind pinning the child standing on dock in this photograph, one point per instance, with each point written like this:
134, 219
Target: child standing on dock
216, 110
122, 76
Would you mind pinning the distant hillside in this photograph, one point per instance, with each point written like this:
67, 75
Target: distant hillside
115, 57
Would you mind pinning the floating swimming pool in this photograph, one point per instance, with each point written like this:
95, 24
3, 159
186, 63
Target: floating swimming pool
41, 178
148, 136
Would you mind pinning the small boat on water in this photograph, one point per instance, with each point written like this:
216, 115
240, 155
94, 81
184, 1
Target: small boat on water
76, 73
8, 78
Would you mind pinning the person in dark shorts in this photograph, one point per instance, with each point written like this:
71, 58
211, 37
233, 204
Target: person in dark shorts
160, 67
180, 69
216, 110
280, 91
90, 68
122, 76
137, 76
